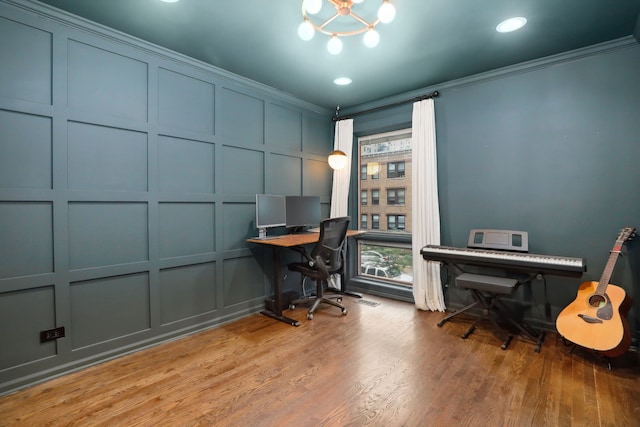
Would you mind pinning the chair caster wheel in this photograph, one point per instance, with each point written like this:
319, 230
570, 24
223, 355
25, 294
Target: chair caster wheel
310, 316
339, 299
292, 306
344, 311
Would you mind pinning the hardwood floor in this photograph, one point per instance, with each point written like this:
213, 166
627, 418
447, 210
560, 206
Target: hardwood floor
388, 365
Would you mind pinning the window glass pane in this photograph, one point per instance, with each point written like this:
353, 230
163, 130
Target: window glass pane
391, 222
363, 197
391, 152
392, 263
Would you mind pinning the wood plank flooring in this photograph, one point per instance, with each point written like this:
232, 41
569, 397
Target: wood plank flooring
388, 365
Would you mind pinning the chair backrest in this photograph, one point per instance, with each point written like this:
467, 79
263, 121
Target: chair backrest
333, 233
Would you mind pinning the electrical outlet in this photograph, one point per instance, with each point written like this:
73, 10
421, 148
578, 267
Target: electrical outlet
52, 334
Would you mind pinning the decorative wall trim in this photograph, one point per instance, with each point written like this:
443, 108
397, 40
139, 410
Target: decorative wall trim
67, 19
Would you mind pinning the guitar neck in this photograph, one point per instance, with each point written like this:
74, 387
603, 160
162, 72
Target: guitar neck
608, 271
625, 234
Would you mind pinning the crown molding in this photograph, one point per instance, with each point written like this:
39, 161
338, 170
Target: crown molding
627, 42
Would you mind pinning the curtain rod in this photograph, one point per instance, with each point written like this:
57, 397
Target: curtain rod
336, 117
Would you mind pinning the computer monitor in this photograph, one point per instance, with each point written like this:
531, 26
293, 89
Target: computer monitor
270, 212
303, 211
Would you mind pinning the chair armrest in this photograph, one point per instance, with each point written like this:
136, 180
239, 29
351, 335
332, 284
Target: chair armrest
320, 265
302, 251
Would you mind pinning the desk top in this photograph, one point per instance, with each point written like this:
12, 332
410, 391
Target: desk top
288, 240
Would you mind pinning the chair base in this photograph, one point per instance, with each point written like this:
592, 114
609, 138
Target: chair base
315, 302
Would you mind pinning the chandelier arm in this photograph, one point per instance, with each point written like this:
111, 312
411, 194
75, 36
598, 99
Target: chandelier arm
344, 33
362, 21
338, 4
325, 23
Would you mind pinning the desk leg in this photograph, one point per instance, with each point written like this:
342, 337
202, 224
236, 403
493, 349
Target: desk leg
277, 293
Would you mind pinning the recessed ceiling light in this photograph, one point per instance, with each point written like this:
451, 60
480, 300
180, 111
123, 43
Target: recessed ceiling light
342, 81
511, 24
170, 1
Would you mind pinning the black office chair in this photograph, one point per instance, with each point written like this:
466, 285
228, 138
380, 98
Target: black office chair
326, 258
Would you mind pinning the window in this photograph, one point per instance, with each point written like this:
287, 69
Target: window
375, 222
375, 197
395, 222
395, 196
391, 222
395, 170
385, 252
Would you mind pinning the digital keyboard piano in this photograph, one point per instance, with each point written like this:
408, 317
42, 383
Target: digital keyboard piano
511, 261
506, 250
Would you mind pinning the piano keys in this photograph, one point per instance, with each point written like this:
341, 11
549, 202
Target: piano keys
514, 261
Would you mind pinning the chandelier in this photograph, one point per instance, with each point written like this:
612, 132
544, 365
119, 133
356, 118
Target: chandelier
343, 10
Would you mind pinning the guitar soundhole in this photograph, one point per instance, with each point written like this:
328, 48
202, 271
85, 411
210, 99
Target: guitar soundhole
597, 301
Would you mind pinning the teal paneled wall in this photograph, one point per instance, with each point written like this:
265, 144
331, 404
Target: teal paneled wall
550, 148
121, 303
128, 177
27, 149
23, 257
28, 309
106, 82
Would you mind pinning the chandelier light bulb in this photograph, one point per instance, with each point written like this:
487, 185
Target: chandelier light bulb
335, 45
312, 6
371, 38
387, 12
306, 31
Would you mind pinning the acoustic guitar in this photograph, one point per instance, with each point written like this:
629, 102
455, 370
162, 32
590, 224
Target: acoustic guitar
596, 319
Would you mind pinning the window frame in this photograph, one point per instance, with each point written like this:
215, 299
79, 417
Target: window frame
375, 196
397, 201
397, 173
400, 238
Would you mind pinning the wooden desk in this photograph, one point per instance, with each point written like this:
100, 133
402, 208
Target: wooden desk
287, 241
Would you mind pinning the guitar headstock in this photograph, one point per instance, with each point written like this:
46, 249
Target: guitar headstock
626, 233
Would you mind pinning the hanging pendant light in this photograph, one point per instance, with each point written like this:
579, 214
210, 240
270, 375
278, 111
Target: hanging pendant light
337, 160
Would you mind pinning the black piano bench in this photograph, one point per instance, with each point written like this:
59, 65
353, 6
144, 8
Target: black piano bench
486, 292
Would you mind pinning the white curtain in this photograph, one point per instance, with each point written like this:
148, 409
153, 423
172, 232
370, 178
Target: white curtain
425, 225
340, 191
341, 178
